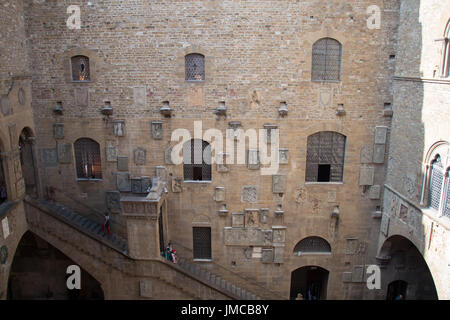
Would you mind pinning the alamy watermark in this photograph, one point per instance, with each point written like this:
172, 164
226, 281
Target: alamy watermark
74, 280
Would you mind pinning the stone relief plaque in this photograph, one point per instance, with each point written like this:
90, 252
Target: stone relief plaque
112, 199
278, 253
58, 130
267, 256
146, 184
81, 97
378, 153
140, 96
237, 220
136, 185
366, 154
366, 175
111, 152
168, 155
157, 130
264, 215
279, 234
249, 194
283, 156
139, 156
49, 157
122, 163
123, 181
325, 97
219, 195
119, 128
177, 185
375, 192
251, 218
380, 135
5, 228
278, 183
64, 153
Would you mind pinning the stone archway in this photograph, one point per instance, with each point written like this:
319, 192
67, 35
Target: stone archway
38, 272
405, 271
309, 281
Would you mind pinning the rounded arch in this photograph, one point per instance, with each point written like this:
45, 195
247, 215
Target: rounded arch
309, 282
38, 271
312, 245
88, 159
440, 147
201, 220
194, 64
326, 60
401, 253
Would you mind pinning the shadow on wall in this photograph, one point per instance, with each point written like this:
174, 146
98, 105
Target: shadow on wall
38, 272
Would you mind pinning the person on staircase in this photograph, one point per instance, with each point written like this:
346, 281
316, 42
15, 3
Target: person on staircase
106, 224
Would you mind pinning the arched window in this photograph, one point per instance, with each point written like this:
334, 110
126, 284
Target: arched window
325, 157
197, 160
87, 158
436, 181
326, 60
195, 67
446, 209
80, 68
312, 245
445, 70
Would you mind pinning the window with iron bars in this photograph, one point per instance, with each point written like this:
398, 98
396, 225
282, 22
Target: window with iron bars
80, 68
195, 67
313, 244
87, 159
436, 181
326, 60
197, 160
325, 157
202, 242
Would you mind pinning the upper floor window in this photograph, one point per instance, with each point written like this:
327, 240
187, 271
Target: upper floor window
326, 60
80, 68
445, 71
195, 67
197, 160
446, 209
325, 157
436, 182
315, 245
87, 159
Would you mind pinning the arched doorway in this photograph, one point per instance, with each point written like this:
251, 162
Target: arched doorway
309, 281
405, 271
26, 141
38, 272
397, 290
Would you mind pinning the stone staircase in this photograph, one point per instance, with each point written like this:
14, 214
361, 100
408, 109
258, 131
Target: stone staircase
83, 224
216, 280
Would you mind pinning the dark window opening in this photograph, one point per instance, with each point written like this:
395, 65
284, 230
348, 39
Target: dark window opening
197, 161
87, 158
323, 174
3, 192
202, 242
80, 68
436, 181
325, 157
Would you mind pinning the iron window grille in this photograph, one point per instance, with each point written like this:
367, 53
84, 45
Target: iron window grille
436, 181
447, 198
195, 67
313, 245
197, 160
80, 68
326, 60
325, 157
87, 158
202, 242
